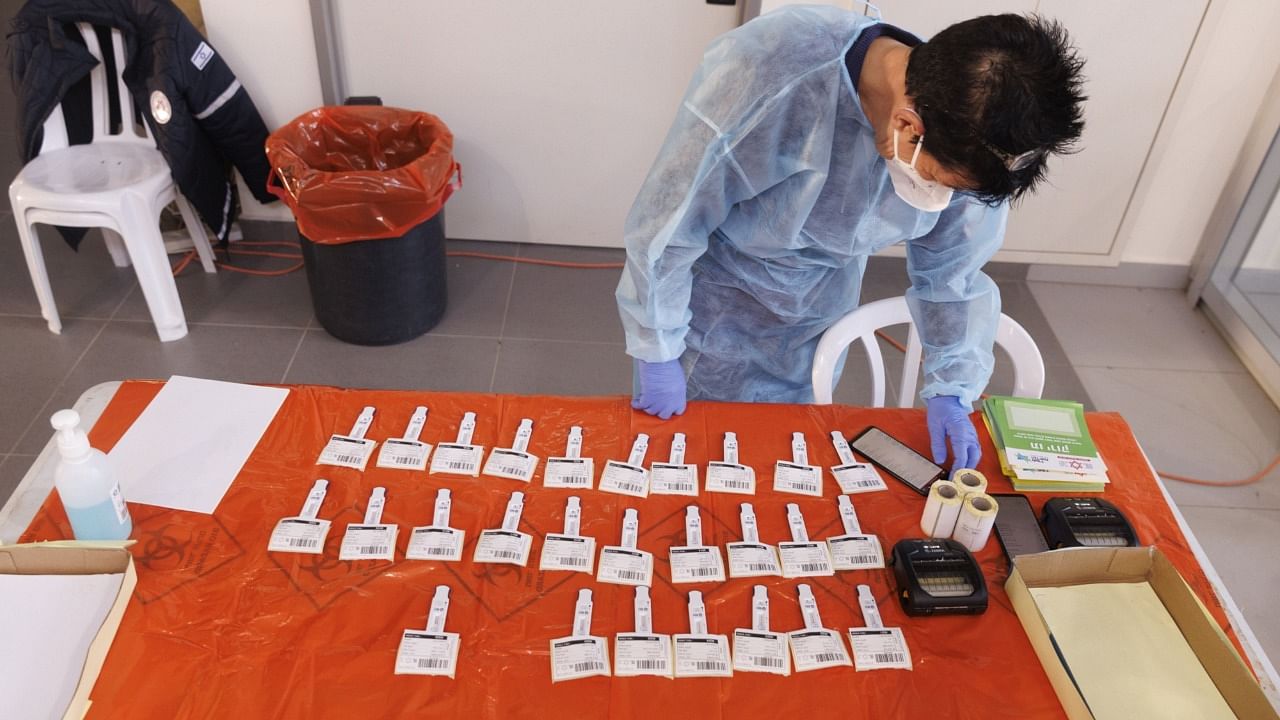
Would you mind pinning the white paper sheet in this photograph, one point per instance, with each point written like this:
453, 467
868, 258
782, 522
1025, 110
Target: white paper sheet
48, 623
187, 447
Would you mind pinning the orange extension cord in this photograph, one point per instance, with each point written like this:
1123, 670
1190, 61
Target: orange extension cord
190, 256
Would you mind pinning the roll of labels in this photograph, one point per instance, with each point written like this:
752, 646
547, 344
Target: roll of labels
960, 509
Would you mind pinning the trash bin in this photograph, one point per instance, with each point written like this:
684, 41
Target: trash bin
367, 186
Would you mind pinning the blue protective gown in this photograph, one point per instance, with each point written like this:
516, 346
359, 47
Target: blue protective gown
751, 233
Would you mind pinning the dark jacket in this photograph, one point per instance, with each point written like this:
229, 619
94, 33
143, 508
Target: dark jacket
211, 123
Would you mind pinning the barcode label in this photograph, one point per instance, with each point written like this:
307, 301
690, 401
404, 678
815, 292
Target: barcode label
578, 657
752, 560
702, 655
726, 478
760, 651
299, 535
622, 566
427, 653
435, 543
457, 459
667, 479
345, 451
814, 649
511, 464
571, 473
503, 546
696, 564
624, 479
879, 649
805, 559
798, 479
399, 454
637, 654
368, 542
567, 552
858, 478
855, 552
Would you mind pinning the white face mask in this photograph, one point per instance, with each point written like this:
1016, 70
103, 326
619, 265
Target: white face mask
914, 190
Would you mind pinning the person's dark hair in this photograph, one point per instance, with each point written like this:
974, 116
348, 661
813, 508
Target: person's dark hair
992, 89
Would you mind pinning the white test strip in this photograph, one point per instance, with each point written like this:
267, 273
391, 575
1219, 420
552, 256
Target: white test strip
643, 610
795, 519
693, 526
523, 434
639, 449
809, 608
377, 501
697, 614
573, 516
515, 507
731, 448
630, 528
582, 614
677, 449
799, 449
416, 422
760, 609
467, 429
362, 423
444, 503
870, 610
315, 498
843, 451
439, 610
573, 447
848, 516
750, 530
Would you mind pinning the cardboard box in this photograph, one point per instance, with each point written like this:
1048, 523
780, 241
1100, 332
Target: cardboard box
1090, 566
73, 558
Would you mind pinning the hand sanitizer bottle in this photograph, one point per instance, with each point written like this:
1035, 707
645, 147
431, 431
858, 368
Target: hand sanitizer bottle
87, 484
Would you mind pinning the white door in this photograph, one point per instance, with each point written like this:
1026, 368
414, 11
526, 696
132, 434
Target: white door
558, 107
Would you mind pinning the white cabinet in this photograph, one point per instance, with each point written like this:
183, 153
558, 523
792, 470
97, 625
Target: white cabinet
1134, 51
558, 107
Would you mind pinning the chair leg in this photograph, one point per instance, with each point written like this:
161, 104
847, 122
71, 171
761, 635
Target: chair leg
115, 246
39, 273
198, 236
141, 233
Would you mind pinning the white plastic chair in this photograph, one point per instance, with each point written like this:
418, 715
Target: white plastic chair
119, 182
862, 324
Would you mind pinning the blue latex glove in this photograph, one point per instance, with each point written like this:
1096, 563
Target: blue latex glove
662, 388
948, 418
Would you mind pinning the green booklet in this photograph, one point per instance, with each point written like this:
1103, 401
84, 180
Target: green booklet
1054, 427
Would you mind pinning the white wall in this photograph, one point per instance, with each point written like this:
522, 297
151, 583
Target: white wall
1220, 92
271, 49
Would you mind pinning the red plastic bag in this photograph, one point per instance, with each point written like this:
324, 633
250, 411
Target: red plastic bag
362, 172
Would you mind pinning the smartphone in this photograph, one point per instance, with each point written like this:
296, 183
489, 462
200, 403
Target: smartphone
906, 465
1016, 526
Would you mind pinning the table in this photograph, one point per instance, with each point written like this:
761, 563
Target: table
220, 628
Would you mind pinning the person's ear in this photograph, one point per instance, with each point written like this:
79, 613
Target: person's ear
908, 123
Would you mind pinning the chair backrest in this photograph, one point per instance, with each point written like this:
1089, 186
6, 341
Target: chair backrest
55, 128
862, 324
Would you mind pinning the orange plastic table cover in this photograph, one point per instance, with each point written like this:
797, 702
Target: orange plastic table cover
220, 628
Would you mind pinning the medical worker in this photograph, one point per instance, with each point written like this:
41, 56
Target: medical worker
809, 139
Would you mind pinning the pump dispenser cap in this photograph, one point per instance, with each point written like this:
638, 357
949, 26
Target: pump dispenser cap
73, 444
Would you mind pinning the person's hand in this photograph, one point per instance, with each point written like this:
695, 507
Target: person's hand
662, 388
948, 418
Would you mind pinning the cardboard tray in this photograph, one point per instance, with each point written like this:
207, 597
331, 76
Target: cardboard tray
79, 558
1079, 566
